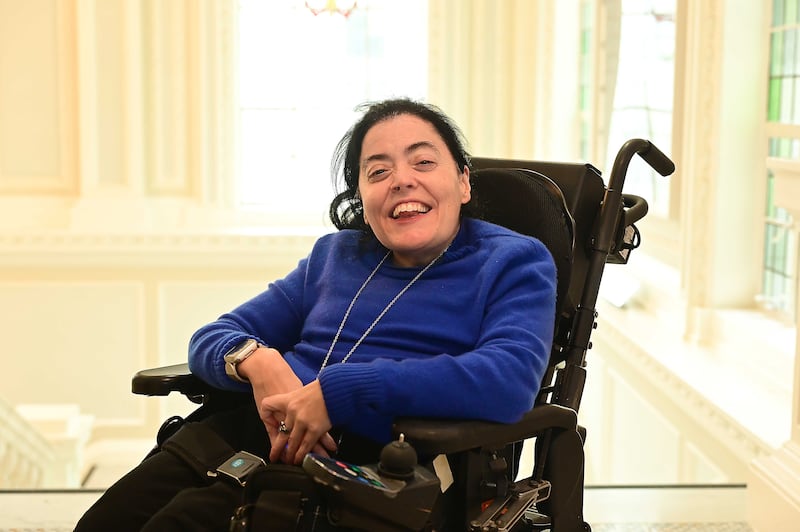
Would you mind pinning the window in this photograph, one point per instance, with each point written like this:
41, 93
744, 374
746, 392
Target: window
585, 79
301, 76
783, 129
643, 92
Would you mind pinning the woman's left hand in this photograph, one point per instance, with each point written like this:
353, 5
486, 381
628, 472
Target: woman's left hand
306, 419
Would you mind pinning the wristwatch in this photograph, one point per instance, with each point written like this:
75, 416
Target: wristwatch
237, 355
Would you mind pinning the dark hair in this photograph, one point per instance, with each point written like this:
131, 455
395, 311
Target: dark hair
346, 209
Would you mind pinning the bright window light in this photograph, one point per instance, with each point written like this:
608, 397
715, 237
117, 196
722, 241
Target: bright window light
301, 76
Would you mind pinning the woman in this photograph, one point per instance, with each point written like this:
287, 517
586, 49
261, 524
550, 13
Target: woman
416, 310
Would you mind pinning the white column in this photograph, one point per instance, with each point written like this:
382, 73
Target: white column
714, 148
774, 485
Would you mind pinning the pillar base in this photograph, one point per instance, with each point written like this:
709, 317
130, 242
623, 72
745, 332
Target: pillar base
773, 490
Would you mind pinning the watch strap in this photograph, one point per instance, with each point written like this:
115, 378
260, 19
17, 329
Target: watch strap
237, 355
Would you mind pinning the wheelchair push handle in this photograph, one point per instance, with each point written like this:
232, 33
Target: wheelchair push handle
644, 149
656, 159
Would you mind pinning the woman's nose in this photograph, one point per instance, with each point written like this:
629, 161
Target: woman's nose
403, 178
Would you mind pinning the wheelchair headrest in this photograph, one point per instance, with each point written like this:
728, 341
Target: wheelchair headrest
529, 203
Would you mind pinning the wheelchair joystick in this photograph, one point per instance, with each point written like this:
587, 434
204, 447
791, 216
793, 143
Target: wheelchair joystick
398, 460
395, 494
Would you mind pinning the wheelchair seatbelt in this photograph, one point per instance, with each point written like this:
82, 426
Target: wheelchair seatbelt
200, 447
282, 496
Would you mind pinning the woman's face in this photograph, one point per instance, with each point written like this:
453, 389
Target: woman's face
411, 189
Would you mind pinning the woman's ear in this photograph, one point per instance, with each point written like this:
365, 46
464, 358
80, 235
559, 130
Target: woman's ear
466, 186
363, 211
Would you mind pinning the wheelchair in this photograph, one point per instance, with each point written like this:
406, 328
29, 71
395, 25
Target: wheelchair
585, 224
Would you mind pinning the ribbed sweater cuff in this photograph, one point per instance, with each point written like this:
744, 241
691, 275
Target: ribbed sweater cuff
347, 388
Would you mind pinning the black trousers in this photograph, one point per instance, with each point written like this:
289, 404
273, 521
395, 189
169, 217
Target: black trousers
165, 493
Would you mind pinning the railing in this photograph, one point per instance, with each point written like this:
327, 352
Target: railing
26, 457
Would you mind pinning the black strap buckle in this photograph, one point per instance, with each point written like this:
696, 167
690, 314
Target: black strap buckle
240, 465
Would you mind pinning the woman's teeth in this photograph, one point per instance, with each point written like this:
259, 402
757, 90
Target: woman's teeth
408, 209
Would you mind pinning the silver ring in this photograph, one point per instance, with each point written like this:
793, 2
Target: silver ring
282, 427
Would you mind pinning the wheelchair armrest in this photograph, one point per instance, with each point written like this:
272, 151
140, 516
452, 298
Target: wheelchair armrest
167, 379
427, 435
440, 436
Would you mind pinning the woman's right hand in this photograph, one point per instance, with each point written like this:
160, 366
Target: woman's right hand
270, 374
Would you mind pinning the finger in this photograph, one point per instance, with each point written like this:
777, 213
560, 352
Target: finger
272, 433
303, 448
268, 417
328, 442
300, 441
274, 403
279, 444
320, 450
272, 409
271, 423
294, 443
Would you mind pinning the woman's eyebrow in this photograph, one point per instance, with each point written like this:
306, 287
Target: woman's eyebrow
411, 148
421, 144
373, 158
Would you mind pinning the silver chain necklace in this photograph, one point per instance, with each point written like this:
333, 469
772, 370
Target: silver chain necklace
384, 311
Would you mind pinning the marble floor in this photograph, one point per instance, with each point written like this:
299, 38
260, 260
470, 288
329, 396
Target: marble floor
608, 509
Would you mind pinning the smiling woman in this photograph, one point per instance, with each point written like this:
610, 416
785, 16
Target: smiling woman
364, 330
120, 224
412, 189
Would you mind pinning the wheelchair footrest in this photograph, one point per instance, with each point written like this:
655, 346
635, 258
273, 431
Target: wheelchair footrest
503, 514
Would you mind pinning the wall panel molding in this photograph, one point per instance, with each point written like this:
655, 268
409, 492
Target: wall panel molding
189, 65
491, 59
714, 441
120, 100
46, 250
38, 105
115, 304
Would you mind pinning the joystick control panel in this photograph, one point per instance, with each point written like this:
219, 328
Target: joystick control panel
396, 491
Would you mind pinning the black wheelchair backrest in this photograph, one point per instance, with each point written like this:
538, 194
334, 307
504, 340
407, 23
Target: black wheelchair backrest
531, 204
558, 203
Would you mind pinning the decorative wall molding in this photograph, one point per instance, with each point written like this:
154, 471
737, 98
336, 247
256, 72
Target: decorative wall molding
620, 347
58, 249
120, 96
491, 59
38, 99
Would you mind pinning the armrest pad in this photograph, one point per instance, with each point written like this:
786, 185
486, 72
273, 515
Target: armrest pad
167, 379
440, 436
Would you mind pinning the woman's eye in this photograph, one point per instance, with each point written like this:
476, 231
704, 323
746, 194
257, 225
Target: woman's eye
377, 174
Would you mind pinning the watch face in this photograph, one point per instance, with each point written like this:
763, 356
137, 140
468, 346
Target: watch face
238, 352
237, 355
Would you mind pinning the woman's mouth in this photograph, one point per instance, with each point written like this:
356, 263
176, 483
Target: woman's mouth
408, 209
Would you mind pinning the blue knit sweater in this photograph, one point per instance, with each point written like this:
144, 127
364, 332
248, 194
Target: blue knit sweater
470, 339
